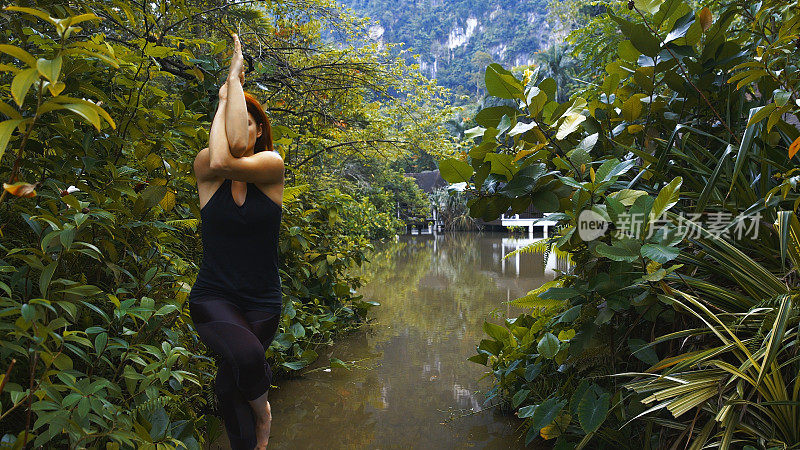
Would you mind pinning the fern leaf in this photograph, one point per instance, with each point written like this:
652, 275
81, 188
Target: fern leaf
531, 299
183, 223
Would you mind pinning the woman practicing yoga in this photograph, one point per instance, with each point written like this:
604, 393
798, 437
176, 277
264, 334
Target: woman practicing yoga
235, 303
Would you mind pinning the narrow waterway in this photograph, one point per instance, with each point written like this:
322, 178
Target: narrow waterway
413, 387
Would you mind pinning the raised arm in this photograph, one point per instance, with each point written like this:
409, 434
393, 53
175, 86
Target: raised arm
262, 167
236, 108
218, 148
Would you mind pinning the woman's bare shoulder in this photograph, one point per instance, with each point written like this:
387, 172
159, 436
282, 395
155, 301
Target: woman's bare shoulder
202, 166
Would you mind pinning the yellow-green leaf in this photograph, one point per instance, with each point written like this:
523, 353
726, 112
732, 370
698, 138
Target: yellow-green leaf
570, 124
74, 20
102, 112
632, 109
50, 68
18, 53
565, 335
21, 84
633, 129
56, 88
93, 52
6, 129
8, 68
6, 109
34, 12
85, 111
761, 114
168, 202
152, 161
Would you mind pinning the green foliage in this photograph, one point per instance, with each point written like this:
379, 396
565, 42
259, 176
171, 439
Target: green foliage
687, 127
105, 106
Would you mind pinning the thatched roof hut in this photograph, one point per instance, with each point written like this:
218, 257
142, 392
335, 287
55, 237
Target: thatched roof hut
428, 180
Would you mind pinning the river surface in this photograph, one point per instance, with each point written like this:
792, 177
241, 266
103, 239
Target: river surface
413, 386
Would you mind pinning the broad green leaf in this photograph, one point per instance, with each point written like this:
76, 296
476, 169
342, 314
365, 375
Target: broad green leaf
479, 152
34, 12
532, 371
648, 6
7, 127
501, 83
642, 351
521, 128
524, 180
490, 117
22, 83
639, 216
623, 250
571, 118
569, 125
566, 335
178, 109
28, 312
659, 253
526, 411
592, 410
548, 346
632, 108
100, 342
63, 99
74, 20
6, 109
588, 142
50, 68
520, 397
640, 36
614, 169
152, 195
18, 53
559, 293
546, 412
761, 113
474, 132
548, 86
85, 111
680, 28
628, 52
454, 170
298, 330
580, 158
502, 164
781, 97
46, 276
159, 421
496, 331
545, 201
667, 198
506, 122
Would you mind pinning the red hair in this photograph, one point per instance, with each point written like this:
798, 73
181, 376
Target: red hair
264, 142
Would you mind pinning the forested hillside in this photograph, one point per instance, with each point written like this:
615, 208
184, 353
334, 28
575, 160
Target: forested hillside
456, 39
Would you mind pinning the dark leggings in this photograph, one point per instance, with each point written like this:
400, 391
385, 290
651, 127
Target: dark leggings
238, 338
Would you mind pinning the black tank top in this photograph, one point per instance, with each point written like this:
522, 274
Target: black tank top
240, 249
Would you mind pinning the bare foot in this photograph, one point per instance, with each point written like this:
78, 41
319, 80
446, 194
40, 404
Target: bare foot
262, 429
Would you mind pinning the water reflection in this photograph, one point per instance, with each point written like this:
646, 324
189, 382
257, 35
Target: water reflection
414, 386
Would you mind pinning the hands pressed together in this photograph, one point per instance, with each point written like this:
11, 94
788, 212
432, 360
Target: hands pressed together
236, 70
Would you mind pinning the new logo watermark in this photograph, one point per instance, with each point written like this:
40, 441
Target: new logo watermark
591, 225
720, 224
